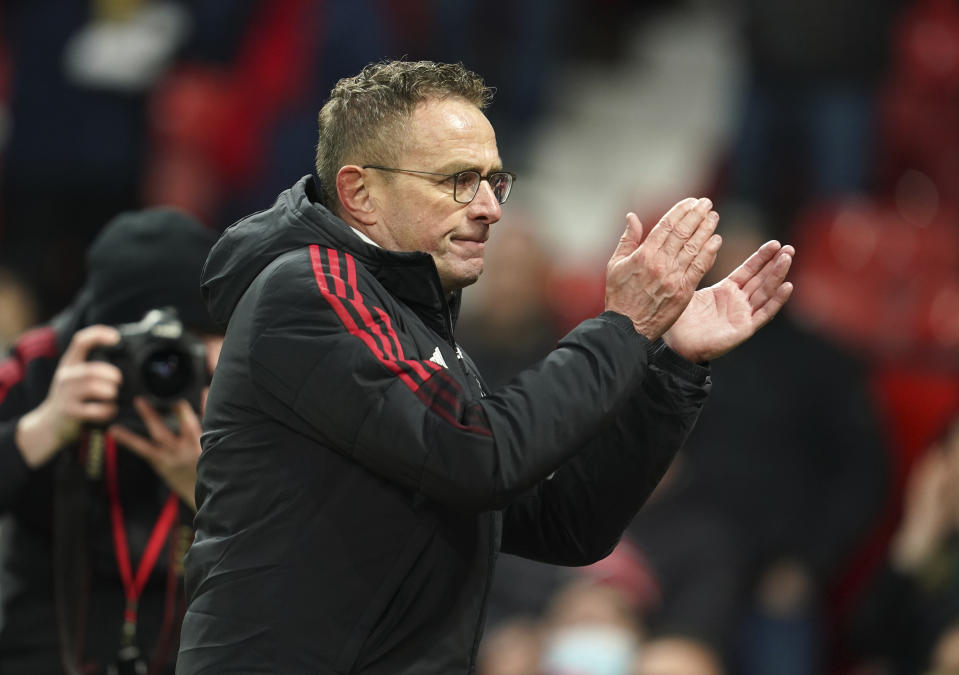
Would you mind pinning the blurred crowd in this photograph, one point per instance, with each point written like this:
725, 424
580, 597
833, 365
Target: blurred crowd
819, 537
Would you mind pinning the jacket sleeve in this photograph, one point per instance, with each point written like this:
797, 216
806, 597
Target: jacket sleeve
577, 516
24, 379
334, 365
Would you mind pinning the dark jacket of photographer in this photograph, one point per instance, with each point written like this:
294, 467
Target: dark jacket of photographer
357, 483
58, 551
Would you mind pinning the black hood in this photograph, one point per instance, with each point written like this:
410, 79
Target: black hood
298, 219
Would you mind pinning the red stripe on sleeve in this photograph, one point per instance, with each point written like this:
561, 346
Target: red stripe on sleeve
357, 301
385, 318
350, 324
441, 401
372, 325
335, 272
375, 327
350, 271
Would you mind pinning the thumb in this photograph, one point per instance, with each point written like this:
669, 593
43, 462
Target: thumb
632, 237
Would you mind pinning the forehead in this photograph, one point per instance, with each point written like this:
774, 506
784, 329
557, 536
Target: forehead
451, 134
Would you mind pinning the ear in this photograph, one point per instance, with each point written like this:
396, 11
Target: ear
354, 194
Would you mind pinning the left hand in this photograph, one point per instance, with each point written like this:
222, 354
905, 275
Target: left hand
173, 456
726, 314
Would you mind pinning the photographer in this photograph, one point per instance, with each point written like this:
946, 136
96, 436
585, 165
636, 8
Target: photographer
96, 471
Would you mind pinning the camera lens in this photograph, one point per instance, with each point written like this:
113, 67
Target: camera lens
166, 372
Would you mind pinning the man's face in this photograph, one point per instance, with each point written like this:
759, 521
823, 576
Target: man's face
416, 212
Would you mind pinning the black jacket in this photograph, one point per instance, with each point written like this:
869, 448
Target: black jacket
357, 483
60, 585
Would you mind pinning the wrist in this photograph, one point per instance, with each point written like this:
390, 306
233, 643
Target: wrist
38, 438
908, 553
183, 484
669, 337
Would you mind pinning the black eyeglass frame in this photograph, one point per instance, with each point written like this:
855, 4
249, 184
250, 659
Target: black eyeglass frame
455, 176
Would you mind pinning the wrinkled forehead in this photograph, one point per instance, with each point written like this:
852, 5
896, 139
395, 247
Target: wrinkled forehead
450, 133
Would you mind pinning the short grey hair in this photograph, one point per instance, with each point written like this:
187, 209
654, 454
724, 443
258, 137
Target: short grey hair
362, 120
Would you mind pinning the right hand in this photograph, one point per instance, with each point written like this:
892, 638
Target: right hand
929, 507
651, 276
81, 392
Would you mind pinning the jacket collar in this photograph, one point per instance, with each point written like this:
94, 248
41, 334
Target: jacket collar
410, 277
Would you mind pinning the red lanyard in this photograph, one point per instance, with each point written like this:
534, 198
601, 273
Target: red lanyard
133, 587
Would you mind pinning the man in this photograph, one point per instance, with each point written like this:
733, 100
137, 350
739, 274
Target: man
82, 591
357, 480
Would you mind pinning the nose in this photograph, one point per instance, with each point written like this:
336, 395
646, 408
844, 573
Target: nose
485, 207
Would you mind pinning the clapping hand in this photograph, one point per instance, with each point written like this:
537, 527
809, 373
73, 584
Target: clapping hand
722, 316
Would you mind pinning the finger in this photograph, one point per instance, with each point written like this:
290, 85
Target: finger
684, 229
138, 444
632, 237
86, 339
98, 370
159, 431
663, 229
101, 391
705, 259
690, 251
95, 411
754, 263
764, 284
763, 314
76, 380
189, 422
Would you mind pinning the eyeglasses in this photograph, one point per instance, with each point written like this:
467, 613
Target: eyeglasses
466, 183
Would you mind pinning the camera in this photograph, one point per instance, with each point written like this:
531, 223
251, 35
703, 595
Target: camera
159, 360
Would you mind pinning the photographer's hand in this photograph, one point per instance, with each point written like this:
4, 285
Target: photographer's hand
81, 392
173, 456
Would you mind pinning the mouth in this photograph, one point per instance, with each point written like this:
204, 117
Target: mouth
470, 246
475, 243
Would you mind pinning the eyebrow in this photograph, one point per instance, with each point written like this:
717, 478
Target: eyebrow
456, 167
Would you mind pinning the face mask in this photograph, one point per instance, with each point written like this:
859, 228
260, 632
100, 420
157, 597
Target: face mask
589, 650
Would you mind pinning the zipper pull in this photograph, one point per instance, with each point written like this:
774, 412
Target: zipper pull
469, 371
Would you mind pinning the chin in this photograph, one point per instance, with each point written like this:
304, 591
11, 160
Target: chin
459, 281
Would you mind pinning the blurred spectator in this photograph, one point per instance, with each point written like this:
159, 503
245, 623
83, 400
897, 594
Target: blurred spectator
209, 105
677, 656
80, 73
919, 105
591, 629
794, 481
99, 518
18, 309
913, 600
806, 127
514, 647
945, 654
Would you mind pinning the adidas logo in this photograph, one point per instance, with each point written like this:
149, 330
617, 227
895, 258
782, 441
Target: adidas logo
437, 358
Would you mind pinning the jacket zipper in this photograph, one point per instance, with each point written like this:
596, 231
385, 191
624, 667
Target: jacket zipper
467, 371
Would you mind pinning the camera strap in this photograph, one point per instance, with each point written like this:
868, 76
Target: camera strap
133, 585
